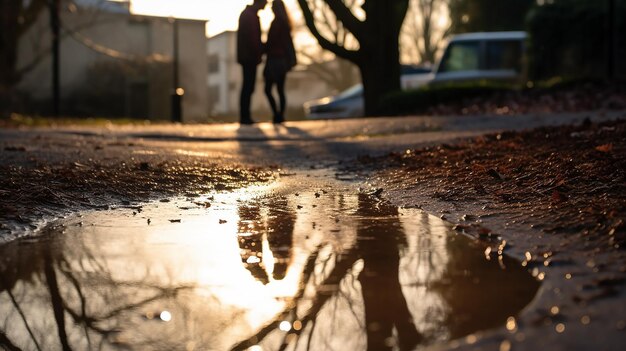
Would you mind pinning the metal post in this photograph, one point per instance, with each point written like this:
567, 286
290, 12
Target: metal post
610, 60
56, 86
177, 92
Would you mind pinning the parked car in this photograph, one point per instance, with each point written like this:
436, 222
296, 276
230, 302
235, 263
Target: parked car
349, 103
468, 57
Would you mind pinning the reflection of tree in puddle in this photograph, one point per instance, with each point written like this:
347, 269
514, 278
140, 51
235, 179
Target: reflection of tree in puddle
393, 291
358, 289
65, 297
351, 272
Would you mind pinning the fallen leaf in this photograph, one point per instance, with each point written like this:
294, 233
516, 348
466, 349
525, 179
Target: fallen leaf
558, 197
482, 231
605, 148
497, 175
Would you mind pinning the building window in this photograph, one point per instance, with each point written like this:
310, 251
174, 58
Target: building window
214, 63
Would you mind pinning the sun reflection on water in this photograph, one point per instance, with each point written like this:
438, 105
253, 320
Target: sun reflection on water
258, 269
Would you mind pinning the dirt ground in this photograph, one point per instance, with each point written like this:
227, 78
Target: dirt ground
568, 180
574, 98
34, 187
555, 198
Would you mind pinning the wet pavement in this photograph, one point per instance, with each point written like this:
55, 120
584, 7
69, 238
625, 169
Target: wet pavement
272, 267
221, 271
319, 143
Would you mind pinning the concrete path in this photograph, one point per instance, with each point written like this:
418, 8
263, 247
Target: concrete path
302, 143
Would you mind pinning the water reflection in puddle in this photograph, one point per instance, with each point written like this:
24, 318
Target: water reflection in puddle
311, 271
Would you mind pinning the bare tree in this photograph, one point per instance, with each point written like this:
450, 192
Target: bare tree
338, 73
422, 34
16, 17
375, 26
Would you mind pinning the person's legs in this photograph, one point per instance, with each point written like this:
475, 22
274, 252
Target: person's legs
247, 88
270, 98
280, 84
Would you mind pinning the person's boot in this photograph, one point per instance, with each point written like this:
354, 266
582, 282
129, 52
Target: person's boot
278, 119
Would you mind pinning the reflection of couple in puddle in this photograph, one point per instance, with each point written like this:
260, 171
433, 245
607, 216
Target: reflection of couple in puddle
380, 237
269, 221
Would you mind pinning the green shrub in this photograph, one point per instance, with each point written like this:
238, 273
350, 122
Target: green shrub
419, 100
570, 38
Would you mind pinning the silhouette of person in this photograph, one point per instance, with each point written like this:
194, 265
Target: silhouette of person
280, 226
249, 54
250, 237
281, 58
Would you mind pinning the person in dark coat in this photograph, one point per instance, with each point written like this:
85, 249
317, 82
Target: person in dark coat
281, 58
249, 54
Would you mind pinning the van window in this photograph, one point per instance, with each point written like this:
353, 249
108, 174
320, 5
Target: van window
504, 54
461, 56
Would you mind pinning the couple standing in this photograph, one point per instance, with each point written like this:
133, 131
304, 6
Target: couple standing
279, 51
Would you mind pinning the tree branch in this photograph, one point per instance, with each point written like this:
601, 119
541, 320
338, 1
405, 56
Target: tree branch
345, 15
30, 14
318, 301
24, 320
5, 342
325, 43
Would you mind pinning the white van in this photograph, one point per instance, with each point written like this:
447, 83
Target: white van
478, 56
468, 57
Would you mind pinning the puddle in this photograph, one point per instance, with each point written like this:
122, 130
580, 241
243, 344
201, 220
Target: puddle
243, 270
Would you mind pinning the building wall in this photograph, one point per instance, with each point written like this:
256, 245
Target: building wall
134, 51
224, 77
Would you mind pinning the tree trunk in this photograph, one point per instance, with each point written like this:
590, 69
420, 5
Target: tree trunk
378, 56
380, 51
9, 15
16, 16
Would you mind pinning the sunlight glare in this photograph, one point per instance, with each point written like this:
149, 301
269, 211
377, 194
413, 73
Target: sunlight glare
285, 326
165, 316
222, 15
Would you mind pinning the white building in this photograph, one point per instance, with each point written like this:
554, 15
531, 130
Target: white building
116, 63
225, 79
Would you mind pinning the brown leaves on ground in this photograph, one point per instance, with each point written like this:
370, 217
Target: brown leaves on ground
566, 179
605, 148
572, 98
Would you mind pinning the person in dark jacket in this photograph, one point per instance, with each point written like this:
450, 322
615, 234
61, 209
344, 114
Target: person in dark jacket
249, 54
281, 58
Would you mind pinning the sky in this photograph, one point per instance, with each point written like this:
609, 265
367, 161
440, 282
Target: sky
221, 14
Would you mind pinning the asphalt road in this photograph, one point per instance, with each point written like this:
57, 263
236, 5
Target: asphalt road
293, 144
300, 146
